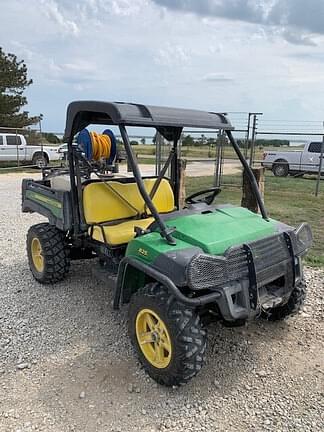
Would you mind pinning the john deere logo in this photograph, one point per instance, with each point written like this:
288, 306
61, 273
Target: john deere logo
142, 252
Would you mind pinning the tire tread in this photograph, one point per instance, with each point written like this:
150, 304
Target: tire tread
55, 252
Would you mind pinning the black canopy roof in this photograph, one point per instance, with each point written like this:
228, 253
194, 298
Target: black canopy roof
82, 113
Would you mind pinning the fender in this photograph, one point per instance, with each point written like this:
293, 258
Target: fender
280, 160
159, 277
44, 152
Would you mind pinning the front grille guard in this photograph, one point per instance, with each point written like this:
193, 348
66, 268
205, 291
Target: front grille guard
261, 261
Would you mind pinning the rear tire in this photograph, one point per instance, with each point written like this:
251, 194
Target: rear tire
40, 160
48, 253
183, 339
292, 307
280, 169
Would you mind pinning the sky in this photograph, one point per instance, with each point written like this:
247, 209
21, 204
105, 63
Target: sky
220, 55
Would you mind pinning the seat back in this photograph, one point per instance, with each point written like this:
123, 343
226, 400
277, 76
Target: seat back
163, 198
112, 200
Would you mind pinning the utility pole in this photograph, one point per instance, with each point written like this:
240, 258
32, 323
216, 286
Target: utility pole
320, 167
254, 133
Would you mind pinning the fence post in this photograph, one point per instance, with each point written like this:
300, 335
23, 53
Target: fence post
248, 198
182, 182
320, 168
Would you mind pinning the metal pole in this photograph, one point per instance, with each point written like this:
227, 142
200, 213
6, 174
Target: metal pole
247, 136
221, 158
158, 152
252, 140
217, 161
17, 150
40, 132
254, 129
320, 168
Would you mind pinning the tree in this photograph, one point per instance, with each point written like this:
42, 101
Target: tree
188, 141
13, 83
202, 140
143, 141
51, 138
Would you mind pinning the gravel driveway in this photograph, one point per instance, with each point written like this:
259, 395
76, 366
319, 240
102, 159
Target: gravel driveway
66, 363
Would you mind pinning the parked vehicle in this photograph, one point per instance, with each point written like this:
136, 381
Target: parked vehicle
178, 269
294, 162
14, 147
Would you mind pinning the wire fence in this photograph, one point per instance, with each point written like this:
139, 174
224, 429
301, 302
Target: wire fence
207, 152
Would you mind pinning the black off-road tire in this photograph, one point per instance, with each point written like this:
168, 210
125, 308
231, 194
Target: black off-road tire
188, 338
280, 168
55, 253
292, 307
40, 160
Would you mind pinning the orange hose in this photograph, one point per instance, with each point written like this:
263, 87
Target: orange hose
101, 146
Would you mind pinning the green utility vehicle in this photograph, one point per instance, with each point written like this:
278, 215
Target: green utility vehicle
177, 268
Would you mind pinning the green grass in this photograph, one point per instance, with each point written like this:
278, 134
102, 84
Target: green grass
204, 152
290, 200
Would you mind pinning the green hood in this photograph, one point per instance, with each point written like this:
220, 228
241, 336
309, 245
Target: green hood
217, 231
213, 232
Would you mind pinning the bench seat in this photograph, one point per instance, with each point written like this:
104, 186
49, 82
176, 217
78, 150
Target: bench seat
120, 233
117, 208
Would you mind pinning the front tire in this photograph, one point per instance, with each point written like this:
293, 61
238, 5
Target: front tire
167, 335
48, 254
292, 307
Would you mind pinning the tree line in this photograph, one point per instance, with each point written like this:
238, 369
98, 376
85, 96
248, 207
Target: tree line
190, 141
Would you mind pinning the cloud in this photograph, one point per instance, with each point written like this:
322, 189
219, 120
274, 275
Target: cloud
217, 78
245, 10
134, 50
296, 18
171, 55
308, 16
296, 38
317, 57
52, 11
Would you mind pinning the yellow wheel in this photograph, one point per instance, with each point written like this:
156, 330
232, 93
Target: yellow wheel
48, 254
153, 338
166, 335
37, 254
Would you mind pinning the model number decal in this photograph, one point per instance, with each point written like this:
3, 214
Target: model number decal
142, 252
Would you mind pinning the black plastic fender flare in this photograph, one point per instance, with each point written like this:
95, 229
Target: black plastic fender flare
159, 277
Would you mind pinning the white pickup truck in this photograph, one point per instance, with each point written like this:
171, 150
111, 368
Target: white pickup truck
294, 162
14, 147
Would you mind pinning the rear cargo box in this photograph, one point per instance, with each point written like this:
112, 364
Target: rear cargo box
38, 197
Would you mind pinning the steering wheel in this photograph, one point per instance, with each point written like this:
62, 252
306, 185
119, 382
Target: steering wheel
210, 193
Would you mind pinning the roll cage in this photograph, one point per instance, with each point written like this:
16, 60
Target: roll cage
169, 122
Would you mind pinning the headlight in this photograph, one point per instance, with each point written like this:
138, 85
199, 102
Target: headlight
304, 238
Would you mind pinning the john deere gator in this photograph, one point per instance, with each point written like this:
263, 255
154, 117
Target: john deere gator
177, 268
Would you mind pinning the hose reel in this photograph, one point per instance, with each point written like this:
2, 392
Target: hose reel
98, 146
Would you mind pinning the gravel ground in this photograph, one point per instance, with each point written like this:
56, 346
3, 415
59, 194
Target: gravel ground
66, 363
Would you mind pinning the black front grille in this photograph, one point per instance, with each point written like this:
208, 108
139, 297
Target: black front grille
237, 267
269, 257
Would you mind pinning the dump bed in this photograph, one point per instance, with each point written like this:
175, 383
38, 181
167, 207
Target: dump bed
37, 196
